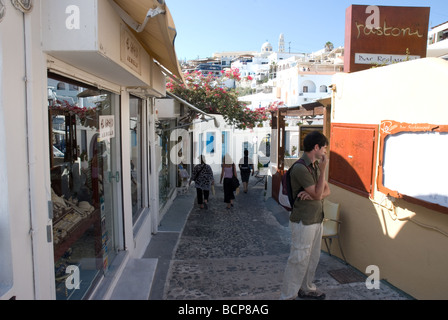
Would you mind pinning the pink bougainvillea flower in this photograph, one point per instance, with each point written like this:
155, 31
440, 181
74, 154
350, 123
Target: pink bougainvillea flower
210, 94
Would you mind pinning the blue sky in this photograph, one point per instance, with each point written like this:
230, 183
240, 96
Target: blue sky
208, 26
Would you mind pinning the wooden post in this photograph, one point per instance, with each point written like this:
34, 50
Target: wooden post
280, 140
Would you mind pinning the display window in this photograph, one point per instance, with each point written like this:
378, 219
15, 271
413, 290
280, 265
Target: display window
167, 168
6, 267
85, 183
136, 149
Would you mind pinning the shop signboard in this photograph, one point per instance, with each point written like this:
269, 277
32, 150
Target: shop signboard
130, 50
382, 35
90, 35
106, 127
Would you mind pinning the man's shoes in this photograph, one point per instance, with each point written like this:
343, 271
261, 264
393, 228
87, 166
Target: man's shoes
311, 295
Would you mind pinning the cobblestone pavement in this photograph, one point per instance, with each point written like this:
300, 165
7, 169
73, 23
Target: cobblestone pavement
240, 254
236, 253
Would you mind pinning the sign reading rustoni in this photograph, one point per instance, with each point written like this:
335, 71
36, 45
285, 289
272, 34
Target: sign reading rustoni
378, 35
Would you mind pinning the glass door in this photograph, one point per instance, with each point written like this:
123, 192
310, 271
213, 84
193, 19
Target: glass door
109, 186
136, 151
85, 184
167, 168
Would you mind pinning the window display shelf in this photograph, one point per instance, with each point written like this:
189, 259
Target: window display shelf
67, 230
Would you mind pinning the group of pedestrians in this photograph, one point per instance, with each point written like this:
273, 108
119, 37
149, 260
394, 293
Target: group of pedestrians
202, 176
309, 188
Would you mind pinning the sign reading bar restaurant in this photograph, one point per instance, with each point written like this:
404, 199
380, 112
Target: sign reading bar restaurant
380, 35
368, 58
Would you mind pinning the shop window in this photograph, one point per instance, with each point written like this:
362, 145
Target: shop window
168, 167
6, 272
352, 157
85, 176
403, 174
135, 125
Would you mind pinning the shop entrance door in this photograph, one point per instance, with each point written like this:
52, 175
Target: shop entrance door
85, 158
108, 153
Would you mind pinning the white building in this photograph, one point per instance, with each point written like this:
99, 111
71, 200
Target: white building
393, 216
299, 82
438, 41
80, 192
294, 78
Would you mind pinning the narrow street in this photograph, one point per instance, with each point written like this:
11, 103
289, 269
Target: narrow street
230, 254
238, 254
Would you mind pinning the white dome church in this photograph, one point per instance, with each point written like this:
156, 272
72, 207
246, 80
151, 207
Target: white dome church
266, 47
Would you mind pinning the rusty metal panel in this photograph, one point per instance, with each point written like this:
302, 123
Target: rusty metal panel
352, 157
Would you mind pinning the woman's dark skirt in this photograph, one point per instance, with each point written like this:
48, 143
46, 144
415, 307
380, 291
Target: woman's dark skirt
245, 175
228, 190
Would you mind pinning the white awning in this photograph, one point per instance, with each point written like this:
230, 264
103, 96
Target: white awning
153, 25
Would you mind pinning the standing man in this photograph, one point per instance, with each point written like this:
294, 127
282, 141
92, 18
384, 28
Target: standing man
309, 183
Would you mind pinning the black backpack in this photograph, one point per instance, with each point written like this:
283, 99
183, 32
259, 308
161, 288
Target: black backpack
285, 197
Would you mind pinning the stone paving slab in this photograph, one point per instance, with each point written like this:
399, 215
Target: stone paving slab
234, 278
136, 281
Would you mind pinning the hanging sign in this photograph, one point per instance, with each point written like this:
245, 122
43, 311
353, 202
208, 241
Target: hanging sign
107, 125
381, 35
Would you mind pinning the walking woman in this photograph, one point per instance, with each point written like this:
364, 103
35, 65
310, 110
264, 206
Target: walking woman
202, 176
227, 172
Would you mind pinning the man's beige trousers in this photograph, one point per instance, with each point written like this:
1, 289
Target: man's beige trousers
303, 259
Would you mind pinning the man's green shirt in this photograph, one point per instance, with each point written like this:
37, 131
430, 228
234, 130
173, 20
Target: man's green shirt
307, 211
